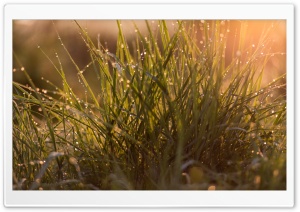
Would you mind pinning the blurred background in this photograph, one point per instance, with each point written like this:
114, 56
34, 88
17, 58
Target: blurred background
32, 36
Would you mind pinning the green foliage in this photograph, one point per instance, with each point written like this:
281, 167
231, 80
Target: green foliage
164, 103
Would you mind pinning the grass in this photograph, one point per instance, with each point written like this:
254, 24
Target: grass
167, 112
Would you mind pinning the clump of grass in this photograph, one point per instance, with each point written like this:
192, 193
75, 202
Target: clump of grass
163, 104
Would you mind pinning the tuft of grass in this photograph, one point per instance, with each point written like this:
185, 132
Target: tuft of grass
168, 113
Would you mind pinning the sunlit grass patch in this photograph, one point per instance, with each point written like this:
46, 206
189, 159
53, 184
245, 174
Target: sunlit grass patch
168, 111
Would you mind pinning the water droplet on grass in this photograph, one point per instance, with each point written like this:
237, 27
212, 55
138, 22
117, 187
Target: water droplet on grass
238, 53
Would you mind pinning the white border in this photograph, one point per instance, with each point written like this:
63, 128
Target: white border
147, 198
